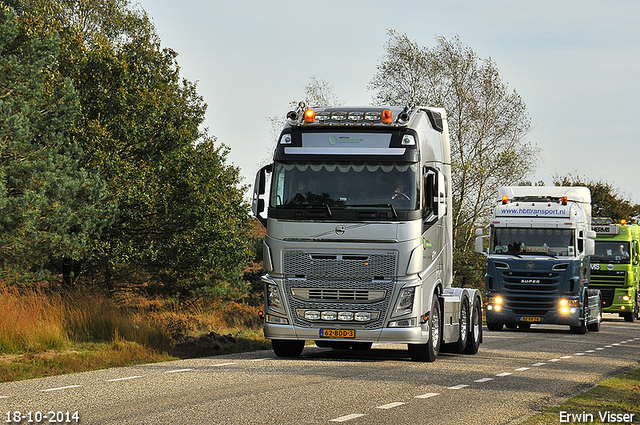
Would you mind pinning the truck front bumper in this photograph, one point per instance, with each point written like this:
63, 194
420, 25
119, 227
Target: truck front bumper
410, 335
507, 316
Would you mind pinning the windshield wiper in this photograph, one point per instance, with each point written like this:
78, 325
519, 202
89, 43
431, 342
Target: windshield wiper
393, 210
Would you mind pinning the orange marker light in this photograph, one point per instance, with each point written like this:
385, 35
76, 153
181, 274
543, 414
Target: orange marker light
564, 200
309, 115
505, 199
387, 116
623, 221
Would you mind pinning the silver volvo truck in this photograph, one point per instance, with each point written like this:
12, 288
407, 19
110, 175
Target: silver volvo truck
359, 234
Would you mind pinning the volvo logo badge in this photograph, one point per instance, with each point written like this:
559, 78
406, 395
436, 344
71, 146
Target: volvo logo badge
531, 265
340, 230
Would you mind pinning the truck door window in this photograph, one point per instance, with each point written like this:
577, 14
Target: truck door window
430, 193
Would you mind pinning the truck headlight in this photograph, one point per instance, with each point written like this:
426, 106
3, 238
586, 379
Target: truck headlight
274, 300
404, 305
568, 306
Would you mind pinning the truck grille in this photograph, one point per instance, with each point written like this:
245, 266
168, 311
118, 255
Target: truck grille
299, 263
615, 277
531, 293
355, 294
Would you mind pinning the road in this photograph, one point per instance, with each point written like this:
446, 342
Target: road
513, 375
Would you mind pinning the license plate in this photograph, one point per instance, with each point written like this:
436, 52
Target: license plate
529, 319
337, 333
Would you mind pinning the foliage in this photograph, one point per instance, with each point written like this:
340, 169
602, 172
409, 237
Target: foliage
51, 204
606, 201
176, 209
487, 123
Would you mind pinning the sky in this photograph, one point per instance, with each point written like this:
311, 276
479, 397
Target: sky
575, 63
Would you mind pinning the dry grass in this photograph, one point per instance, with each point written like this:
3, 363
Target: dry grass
45, 333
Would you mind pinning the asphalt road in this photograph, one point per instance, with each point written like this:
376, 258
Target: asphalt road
513, 375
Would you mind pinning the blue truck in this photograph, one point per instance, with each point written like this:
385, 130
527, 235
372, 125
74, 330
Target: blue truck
538, 259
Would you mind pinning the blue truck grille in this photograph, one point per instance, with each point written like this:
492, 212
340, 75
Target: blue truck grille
531, 293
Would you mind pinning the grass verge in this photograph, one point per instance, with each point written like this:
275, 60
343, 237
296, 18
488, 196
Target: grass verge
608, 402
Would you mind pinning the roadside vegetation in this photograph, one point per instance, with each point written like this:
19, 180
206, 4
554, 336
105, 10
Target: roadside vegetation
45, 332
618, 395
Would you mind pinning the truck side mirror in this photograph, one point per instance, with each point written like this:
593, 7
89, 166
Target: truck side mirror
589, 247
257, 204
480, 244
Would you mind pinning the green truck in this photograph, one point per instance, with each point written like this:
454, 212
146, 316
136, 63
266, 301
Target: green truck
615, 267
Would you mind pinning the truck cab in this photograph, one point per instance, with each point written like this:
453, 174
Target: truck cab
538, 259
615, 267
358, 245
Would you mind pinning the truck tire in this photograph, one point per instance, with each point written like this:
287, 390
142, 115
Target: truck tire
287, 347
494, 326
582, 328
429, 351
595, 326
632, 315
475, 329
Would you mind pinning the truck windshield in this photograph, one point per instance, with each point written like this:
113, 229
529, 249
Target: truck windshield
345, 184
611, 252
521, 241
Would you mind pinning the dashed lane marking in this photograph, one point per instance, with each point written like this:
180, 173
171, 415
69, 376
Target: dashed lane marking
347, 417
538, 364
457, 387
61, 388
483, 380
427, 395
504, 374
178, 370
223, 364
522, 369
390, 405
124, 379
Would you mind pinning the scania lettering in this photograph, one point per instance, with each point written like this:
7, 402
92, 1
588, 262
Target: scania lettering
615, 267
538, 265
358, 247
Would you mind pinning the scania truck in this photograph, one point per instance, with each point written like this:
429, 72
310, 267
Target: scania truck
358, 248
540, 240
615, 267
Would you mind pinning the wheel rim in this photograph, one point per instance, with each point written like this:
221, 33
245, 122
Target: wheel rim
476, 327
463, 325
435, 328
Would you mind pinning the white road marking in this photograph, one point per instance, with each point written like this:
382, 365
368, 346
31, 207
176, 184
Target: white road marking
590, 351
457, 387
504, 374
522, 369
390, 405
124, 379
579, 354
427, 395
178, 370
599, 348
347, 418
259, 360
615, 343
608, 346
566, 357
538, 364
554, 360
4, 396
223, 364
61, 388
483, 380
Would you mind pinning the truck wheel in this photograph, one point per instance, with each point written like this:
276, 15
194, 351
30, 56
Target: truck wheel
287, 347
494, 326
637, 306
429, 351
582, 328
475, 329
632, 315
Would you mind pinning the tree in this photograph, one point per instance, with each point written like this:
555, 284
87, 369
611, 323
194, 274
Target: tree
50, 205
177, 208
606, 200
487, 121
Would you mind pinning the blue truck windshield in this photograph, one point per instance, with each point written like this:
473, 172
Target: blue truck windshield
345, 184
532, 241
